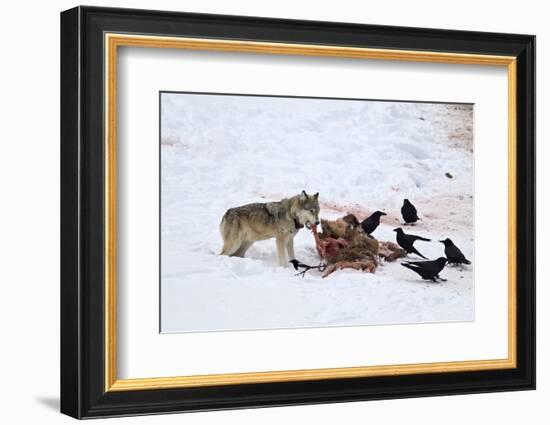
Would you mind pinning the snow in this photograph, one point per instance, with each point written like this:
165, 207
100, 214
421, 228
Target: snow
219, 152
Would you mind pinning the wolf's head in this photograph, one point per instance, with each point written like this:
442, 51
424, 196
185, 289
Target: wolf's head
306, 208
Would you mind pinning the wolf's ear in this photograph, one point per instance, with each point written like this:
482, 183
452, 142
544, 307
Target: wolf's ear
316, 195
303, 195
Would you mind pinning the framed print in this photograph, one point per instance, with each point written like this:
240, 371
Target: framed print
261, 212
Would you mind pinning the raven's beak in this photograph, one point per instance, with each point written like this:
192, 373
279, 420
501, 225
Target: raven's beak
442, 241
383, 214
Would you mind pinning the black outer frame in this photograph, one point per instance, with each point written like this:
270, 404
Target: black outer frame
82, 220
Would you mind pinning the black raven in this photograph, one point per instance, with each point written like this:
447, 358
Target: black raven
453, 254
370, 223
409, 213
406, 241
428, 270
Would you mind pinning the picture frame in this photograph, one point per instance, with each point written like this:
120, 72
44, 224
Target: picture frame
90, 40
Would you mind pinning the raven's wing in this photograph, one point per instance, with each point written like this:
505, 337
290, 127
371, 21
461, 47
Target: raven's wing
412, 266
367, 224
455, 254
419, 238
429, 266
414, 263
416, 268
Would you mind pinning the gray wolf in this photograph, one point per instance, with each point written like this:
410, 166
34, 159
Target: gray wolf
242, 226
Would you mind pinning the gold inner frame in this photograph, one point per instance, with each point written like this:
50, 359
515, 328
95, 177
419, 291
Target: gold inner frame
113, 41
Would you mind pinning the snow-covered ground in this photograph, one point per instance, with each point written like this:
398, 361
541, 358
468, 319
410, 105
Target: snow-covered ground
219, 152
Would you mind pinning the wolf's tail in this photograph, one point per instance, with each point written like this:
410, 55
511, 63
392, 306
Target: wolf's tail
231, 242
224, 231
222, 226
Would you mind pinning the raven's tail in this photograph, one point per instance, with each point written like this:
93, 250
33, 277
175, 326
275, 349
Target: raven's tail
414, 251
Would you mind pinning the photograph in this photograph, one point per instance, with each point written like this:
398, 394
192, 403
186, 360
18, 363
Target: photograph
289, 209
282, 212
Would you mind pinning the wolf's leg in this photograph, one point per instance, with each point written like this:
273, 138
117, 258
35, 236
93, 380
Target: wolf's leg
281, 254
290, 249
230, 247
243, 248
